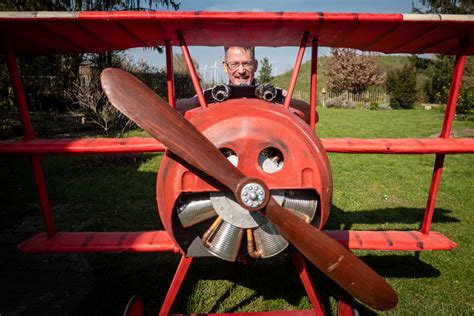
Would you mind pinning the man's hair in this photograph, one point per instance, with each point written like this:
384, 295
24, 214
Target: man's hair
250, 49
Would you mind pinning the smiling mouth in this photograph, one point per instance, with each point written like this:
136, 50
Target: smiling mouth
243, 79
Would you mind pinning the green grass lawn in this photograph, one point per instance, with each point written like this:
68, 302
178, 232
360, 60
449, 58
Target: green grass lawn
370, 192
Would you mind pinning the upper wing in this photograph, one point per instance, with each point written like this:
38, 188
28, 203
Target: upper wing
74, 32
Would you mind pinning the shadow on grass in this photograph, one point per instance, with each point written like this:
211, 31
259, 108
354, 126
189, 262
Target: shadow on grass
273, 280
401, 266
340, 219
276, 280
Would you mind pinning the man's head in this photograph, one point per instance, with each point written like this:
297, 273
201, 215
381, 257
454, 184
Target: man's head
240, 64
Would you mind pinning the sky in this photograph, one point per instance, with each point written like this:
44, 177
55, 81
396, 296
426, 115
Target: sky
210, 59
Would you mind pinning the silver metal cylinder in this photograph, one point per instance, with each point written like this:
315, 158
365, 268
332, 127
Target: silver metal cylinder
302, 203
225, 241
268, 241
195, 208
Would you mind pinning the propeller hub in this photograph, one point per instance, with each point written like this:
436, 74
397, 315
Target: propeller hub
253, 195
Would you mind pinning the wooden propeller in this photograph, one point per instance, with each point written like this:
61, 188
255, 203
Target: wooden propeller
134, 99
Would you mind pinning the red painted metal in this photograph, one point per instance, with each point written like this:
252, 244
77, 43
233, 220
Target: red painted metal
300, 265
160, 241
392, 240
173, 290
345, 306
247, 126
192, 70
313, 101
45, 32
454, 88
134, 307
79, 146
296, 69
19, 92
272, 313
21, 105
170, 73
399, 146
433, 193
43, 195
196, 111
81, 242
445, 133
71, 146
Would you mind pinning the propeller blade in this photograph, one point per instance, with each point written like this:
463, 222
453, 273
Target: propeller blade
140, 104
134, 99
333, 259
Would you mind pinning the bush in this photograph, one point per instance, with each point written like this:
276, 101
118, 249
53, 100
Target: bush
465, 101
401, 86
340, 103
385, 106
91, 102
374, 105
157, 81
440, 72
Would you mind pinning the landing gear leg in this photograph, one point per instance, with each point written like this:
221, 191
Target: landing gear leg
175, 285
300, 265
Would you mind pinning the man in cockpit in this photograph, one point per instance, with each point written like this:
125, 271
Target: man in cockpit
240, 66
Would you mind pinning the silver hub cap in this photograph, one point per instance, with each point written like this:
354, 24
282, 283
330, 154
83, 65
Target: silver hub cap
231, 211
252, 195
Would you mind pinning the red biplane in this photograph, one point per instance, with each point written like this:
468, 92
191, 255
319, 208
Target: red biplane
275, 187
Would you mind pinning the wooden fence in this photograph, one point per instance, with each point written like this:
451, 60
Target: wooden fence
359, 99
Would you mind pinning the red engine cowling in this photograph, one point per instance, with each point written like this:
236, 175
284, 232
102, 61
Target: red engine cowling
264, 141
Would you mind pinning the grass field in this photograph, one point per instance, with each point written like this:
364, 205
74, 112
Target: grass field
370, 192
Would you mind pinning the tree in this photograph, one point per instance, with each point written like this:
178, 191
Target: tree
157, 80
89, 5
440, 70
265, 72
348, 70
440, 77
401, 85
420, 63
180, 66
437, 72
445, 7
47, 77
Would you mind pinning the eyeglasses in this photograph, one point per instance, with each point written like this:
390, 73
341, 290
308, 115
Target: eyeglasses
248, 65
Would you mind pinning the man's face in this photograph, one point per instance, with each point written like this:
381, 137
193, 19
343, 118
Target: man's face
239, 66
